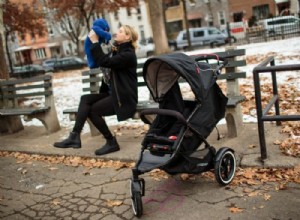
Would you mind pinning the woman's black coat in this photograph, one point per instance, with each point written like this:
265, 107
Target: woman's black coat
123, 77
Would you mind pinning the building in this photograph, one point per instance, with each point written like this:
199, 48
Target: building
261, 9
137, 17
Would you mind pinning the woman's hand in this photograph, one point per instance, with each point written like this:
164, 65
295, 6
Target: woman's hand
93, 36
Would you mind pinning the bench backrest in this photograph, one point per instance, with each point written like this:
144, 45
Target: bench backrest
92, 78
14, 91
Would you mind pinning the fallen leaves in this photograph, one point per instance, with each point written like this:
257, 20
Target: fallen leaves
158, 174
55, 202
74, 161
112, 203
234, 209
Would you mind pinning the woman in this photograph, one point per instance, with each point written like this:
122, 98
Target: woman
118, 91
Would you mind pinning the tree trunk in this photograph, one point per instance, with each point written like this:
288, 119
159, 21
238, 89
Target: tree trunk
158, 27
7, 52
3, 66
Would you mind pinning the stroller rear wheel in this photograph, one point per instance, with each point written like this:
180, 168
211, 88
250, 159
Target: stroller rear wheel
225, 168
136, 192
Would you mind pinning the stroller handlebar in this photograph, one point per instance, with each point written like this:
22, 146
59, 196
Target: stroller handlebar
206, 57
167, 112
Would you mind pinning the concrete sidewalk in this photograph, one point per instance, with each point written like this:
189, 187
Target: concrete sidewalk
50, 191
34, 140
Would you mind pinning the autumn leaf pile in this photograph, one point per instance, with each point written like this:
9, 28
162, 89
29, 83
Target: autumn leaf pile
244, 176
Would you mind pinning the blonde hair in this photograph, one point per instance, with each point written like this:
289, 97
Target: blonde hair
129, 30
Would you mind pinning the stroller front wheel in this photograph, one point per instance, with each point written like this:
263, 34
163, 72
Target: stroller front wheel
225, 168
136, 189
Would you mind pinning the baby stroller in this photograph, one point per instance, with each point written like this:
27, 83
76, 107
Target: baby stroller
182, 126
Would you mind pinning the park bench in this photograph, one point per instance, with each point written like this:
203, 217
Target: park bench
234, 117
30, 98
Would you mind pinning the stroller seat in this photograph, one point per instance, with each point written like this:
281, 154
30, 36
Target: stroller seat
159, 144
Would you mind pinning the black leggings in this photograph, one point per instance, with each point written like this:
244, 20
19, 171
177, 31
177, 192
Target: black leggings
94, 107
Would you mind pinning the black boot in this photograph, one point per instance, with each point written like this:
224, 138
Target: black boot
72, 141
110, 146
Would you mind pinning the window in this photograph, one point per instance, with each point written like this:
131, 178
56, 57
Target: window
173, 3
116, 15
221, 16
128, 12
62, 27
213, 32
261, 11
50, 30
198, 33
210, 20
138, 12
238, 16
40, 53
142, 32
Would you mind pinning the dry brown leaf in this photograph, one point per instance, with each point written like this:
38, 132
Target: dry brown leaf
255, 193
112, 203
267, 197
277, 142
251, 146
55, 202
236, 209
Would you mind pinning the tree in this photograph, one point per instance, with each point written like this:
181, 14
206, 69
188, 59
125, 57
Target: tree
72, 15
158, 26
19, 17
3, 69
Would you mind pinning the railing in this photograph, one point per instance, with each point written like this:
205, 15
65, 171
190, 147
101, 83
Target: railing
274, 101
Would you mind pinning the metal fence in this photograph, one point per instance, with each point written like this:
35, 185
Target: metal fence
262, 114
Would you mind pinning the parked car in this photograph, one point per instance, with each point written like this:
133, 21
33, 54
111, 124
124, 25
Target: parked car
48, 64
27, 71
68, 63
200, 37
146, 47
277, 25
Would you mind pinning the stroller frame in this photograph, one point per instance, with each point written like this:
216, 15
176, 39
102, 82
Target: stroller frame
173, 152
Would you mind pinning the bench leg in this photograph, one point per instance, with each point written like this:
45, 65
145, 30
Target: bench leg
49, 120
11, 124
93, 129
234, 121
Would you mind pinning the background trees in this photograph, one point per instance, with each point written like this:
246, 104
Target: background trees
19, 17
72, 16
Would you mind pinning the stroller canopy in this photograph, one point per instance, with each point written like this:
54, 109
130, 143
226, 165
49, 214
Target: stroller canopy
161, 75
161, 72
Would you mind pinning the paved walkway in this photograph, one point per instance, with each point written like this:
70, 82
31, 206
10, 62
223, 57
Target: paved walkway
41, 190
246, 145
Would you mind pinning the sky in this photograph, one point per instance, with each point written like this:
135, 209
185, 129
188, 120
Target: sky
68, 87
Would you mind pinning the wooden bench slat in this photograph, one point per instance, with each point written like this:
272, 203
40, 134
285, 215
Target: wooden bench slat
91, 89
70, 111
231, 76
146, 104
27, 80
22, 111
232, 53
92, 80
91, 72
232, 63
19, 95
16, 88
